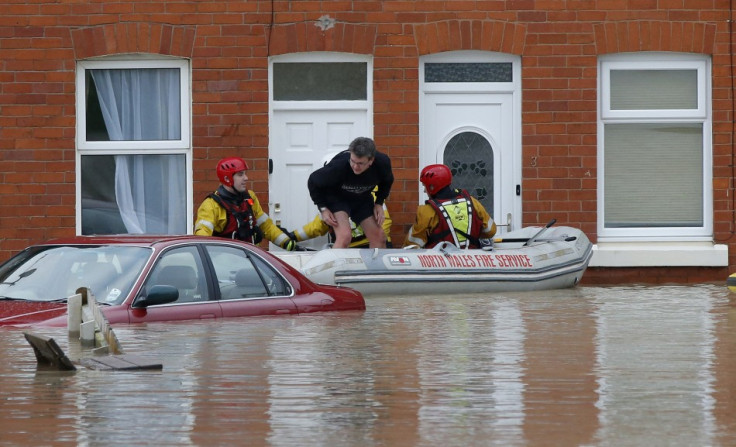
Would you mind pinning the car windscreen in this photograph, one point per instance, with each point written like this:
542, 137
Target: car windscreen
51, 273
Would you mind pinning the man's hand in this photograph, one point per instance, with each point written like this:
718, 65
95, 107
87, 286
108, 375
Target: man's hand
378, 214
290, 245
328, 217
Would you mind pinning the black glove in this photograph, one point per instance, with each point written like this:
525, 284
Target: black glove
291, 234
290, 245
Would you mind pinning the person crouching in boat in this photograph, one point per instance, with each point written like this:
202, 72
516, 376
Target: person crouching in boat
318, 227
342, 191
450, 214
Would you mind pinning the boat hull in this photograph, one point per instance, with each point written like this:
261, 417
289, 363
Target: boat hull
556, 260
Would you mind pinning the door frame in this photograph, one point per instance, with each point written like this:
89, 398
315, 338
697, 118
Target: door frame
429, 149
307, 108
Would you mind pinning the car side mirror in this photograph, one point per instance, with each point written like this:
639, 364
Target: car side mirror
158, 294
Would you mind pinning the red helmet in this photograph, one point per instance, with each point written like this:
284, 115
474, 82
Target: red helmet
229, 166
435, 177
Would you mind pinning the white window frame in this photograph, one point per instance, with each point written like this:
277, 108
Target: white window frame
700, 115
321, 57
157, 147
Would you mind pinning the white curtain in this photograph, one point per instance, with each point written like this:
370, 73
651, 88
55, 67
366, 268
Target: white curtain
144, 105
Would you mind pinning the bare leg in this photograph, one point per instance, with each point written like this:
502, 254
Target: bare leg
343, 234
374, 233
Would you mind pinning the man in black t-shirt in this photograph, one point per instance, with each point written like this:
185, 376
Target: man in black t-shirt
342, 191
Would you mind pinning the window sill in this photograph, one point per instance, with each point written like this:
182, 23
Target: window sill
659, 254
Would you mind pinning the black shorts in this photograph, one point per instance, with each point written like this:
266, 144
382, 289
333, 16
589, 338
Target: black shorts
358, 207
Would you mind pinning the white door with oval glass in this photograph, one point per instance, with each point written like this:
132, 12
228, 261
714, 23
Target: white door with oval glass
470, 114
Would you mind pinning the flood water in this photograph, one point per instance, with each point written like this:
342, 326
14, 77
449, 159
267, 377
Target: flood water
590, 366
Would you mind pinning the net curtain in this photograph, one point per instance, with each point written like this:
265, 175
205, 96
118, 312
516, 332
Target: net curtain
143, 105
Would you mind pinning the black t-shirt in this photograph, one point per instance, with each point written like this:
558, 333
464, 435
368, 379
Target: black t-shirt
338, 179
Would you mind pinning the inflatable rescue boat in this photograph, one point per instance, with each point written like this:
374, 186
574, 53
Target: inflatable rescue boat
533, 258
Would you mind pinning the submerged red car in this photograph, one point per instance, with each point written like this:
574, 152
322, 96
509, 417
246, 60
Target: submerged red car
140, 279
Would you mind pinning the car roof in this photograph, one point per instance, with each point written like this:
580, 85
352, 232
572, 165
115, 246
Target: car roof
148, 240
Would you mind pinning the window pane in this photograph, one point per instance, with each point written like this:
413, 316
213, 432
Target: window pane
275, 283
468, 72
240, 275
654, 89
470, 158
133, 194
181, 268
653, 175
237, 277
96, 130
320, 81
133, 104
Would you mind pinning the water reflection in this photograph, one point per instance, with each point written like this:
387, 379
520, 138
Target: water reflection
587, 366
661, 370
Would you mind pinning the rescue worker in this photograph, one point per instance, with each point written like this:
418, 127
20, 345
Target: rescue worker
318, 227
450, 214
342, 191
234, 212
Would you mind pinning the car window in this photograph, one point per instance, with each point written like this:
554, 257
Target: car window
276, 285
242, 276
47, 273
181, 268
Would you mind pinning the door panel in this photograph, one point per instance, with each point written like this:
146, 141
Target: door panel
473, 134
300, 139
174, 312
258, 306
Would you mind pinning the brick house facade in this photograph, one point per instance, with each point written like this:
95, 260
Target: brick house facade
228, 45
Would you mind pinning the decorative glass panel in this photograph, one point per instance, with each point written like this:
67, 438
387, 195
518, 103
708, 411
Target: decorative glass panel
320, 81
468, 72
470, 158
654, 89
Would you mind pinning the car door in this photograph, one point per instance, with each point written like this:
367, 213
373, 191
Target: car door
181, 267
248, 285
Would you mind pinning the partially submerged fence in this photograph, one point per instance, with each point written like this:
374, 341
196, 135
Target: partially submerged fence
87, 324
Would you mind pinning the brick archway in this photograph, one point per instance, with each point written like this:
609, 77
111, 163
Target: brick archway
452, 35
133, 38
631, 36
308, 36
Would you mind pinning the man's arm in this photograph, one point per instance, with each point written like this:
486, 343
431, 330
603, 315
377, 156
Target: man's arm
386, 179
271, 231
210, 217
313, 229
321, 185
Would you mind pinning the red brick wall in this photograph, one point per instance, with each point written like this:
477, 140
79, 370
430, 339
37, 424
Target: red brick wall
229, 43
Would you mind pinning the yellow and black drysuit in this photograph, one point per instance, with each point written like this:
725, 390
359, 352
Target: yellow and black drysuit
238, 216
454, 216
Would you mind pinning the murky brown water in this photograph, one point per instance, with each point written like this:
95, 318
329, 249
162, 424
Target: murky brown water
625, 366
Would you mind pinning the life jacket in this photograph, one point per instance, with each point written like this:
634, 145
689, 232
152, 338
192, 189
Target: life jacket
459, 223
241, 222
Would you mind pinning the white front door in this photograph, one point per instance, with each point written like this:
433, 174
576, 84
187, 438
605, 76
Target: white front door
474, 128
300, 140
